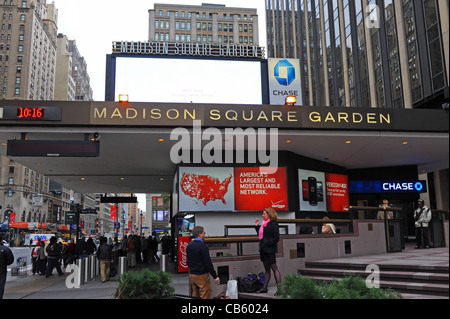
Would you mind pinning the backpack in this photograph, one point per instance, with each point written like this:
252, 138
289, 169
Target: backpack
35, 251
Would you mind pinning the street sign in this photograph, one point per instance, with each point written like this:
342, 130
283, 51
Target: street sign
117, 199
71, 218
88, 211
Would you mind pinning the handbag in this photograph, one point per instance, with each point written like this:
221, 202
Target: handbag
232, 288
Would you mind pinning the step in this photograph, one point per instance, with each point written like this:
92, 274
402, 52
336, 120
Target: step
388, 267
402, 287
440, 278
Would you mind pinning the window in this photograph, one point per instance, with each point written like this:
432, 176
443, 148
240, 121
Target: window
11, 181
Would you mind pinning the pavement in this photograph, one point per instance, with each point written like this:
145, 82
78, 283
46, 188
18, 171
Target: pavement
55, 287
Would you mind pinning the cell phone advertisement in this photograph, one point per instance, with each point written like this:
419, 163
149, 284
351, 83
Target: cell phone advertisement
322, 192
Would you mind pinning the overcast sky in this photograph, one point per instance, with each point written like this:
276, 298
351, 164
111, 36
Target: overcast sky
95, 24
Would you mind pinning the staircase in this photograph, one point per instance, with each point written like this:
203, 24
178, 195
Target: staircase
412, 281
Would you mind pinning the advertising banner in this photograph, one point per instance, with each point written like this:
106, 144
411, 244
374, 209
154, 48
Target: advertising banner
337, 193
284, 80
182, 256
258, 188
232, 189
113, 212
322, 192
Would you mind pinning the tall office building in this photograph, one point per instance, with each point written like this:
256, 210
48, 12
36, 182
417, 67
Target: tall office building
208, 23
27, 49
377, 53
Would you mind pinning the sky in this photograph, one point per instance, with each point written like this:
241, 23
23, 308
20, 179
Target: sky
95, 24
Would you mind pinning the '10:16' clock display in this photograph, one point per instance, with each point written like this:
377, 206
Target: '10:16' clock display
30, 112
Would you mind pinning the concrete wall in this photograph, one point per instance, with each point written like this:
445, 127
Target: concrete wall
368, 239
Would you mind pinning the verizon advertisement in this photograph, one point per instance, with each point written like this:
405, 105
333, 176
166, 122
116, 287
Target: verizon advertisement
321, 191
232, 189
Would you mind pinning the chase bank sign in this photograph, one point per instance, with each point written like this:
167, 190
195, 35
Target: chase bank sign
284, 80
387, 186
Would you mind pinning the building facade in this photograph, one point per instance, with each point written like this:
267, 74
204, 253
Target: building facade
28, 49
208, 23
380, 53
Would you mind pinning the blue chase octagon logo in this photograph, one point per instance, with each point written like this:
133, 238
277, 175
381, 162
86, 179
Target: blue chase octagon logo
284, 72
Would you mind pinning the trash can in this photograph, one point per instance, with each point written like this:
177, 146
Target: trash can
122, 267
164, 262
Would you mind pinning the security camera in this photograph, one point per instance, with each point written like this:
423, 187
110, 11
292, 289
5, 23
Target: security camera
96, 136
445, 106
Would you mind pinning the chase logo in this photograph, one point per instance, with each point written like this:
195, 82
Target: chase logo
284, 72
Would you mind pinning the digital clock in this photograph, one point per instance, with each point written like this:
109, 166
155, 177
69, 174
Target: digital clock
30, 112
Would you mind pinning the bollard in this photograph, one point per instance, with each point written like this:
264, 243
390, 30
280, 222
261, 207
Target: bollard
87, 269
80, 271
92, 264
163, 262
122, 267
97, 267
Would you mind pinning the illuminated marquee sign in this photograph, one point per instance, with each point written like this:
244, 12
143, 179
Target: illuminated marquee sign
388, 187
223, 50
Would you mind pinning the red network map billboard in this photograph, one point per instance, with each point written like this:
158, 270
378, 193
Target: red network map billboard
232, 189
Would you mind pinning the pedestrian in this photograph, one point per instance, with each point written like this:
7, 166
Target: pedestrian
81, 249
6, 259
422, 216
131, 252
269, 235
104, 254
53, 258
34, 258
200, 265
154, 244
381, 213
328, 228
116, 250
65, 254
42, 259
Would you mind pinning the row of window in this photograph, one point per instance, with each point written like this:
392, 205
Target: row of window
204, 15
202, 26
202, 38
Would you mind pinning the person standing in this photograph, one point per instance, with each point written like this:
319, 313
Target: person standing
53, 258
6, 259
422, 216
104, 254
269, 235
200, 265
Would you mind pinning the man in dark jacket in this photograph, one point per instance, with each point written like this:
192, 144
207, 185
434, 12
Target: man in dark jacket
104, 254
200, 265
53, 258
6, 259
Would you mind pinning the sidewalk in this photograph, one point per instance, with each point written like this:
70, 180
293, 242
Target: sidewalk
54, 287
39, 287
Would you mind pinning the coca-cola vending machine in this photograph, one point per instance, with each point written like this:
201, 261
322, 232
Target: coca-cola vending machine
183, 241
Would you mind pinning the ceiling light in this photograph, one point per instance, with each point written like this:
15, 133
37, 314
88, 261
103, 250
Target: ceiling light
161, 140
288, 141
405, 143
348, 142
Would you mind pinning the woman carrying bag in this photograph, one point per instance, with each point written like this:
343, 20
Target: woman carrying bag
269, 235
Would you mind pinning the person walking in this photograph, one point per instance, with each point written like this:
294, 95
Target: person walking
422, 216
53, 258
200, 265
34, 258
42, 259
269, 235
6, 259
104, 254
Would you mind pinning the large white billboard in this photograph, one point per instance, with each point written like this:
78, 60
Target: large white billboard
188, 80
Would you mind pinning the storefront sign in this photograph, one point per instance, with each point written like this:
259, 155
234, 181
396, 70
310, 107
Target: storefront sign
222, 115
284, 80
414, 186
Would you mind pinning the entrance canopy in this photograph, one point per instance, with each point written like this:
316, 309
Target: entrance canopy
135, 138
